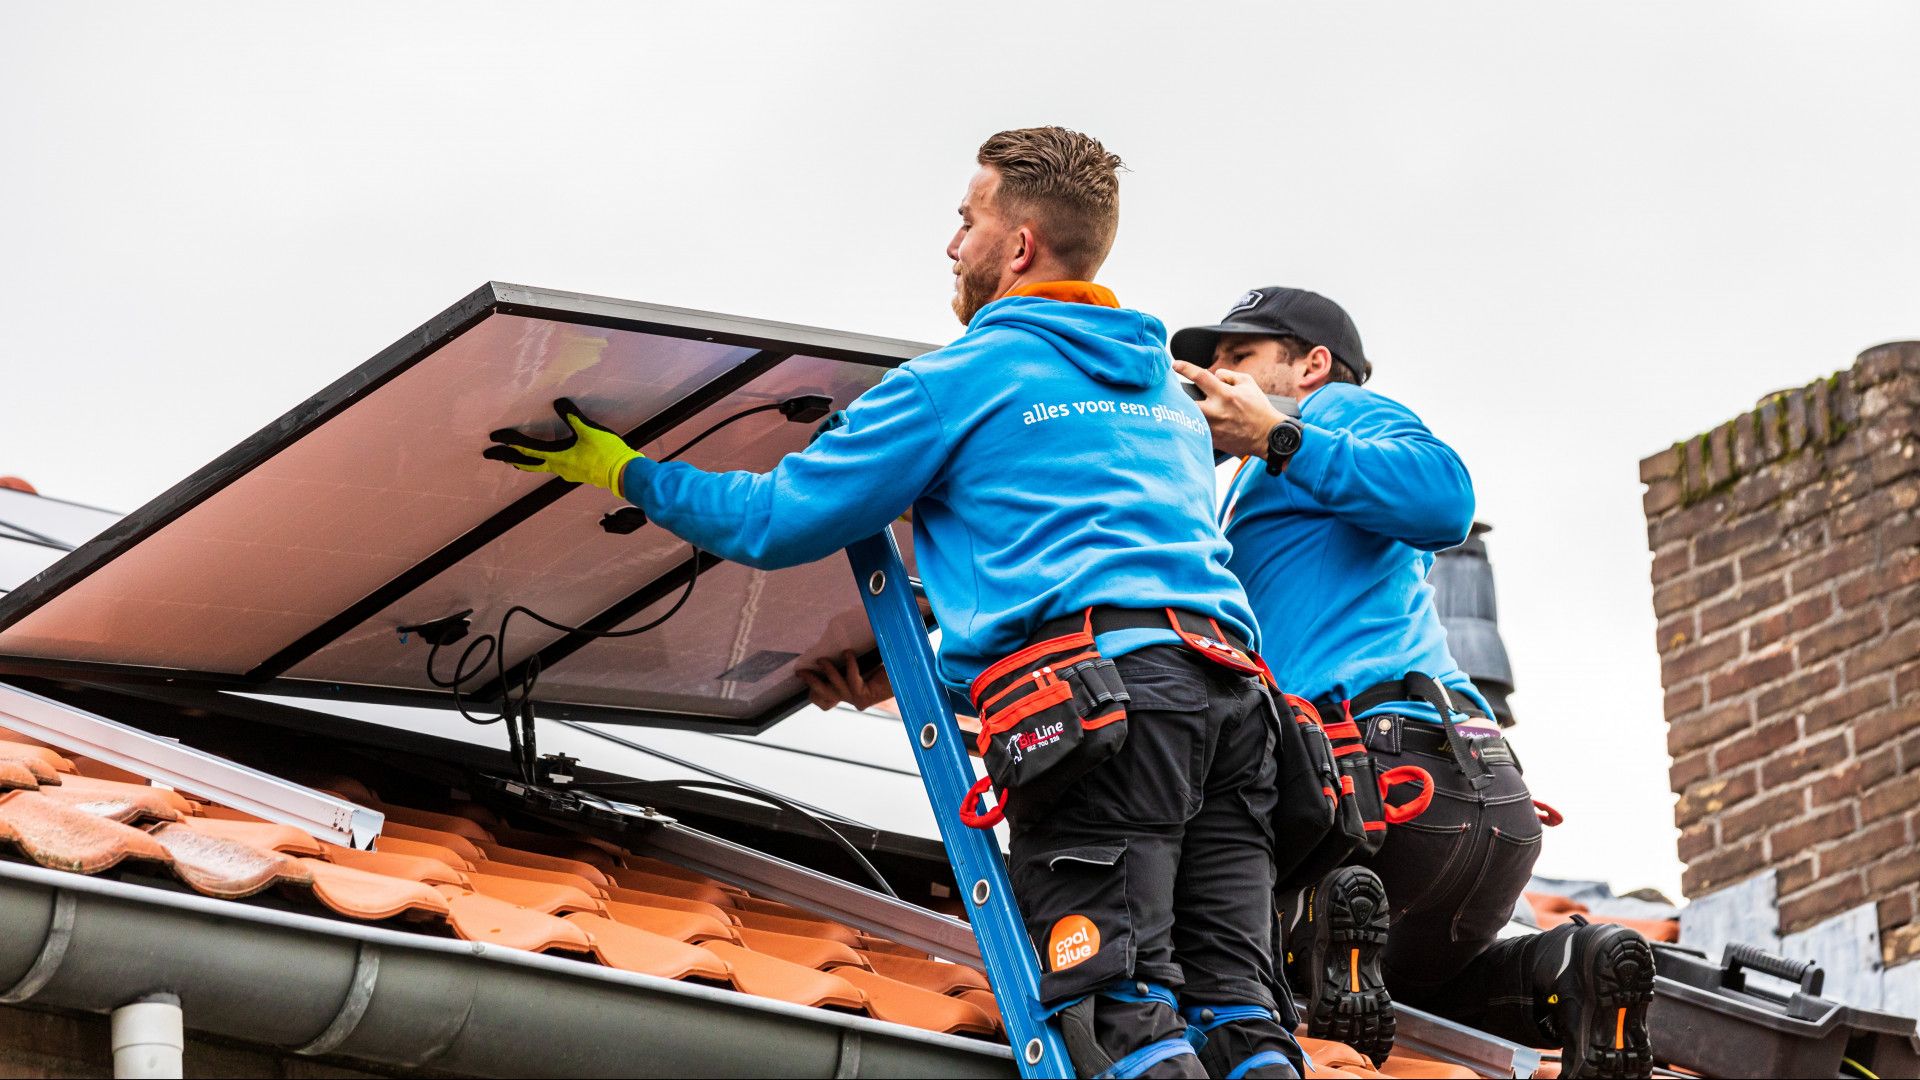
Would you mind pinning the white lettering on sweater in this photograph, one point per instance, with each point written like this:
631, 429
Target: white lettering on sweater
1042, 411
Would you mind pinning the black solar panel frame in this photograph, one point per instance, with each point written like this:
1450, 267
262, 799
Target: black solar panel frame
774, 343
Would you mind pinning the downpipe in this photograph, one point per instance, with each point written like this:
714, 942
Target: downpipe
149, 1038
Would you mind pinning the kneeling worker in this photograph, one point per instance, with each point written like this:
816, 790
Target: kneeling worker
1334, 518
1143, 881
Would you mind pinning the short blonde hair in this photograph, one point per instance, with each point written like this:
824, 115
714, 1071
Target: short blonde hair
1067, 183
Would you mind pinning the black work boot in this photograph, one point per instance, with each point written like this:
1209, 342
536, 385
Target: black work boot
1333, 949
1597, 981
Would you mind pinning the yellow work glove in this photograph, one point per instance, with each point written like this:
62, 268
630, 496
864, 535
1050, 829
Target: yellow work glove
591, 455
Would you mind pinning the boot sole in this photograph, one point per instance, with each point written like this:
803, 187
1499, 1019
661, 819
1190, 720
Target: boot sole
1610, 1039
1349, 1002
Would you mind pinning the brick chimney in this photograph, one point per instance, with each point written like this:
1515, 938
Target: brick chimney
1786, 577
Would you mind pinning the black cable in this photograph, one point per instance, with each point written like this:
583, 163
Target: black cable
31, 536
517, 715
694, 766
769, 798
741, 415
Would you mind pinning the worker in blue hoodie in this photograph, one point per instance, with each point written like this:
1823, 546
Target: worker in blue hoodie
1335, 516
1058, 481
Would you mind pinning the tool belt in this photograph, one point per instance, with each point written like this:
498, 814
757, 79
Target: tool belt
1057, 708
1361, 812
1431, 741
1467, 753
1473, 754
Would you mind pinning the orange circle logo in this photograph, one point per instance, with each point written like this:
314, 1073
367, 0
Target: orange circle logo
1073, 939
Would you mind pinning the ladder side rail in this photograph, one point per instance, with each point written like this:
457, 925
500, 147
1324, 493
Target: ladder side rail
1012, 966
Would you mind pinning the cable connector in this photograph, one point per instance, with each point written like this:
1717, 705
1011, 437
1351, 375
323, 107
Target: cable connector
806, 408
556, 769
441, 631
627, 519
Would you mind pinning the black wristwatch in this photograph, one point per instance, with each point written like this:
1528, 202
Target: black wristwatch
1282, 443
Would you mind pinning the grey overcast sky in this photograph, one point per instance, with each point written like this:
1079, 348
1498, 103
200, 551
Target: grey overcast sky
1570, 234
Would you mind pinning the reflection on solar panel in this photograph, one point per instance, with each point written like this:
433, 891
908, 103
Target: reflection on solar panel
290, 564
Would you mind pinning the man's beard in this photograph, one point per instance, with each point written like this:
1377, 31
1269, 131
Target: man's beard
975, 288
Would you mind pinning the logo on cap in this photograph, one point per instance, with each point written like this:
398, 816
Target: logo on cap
1245, 303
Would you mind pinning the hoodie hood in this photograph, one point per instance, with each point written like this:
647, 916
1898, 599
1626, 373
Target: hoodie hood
1117, 346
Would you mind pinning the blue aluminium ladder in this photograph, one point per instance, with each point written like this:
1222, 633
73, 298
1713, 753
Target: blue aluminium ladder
1012, 967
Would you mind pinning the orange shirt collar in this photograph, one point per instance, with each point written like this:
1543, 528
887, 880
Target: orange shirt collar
1072, 292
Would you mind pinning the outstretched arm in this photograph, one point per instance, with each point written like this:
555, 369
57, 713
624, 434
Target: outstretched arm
850, 483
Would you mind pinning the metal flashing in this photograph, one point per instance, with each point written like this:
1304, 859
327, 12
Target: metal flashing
194, 771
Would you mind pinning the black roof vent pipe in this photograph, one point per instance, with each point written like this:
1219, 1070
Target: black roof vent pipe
1463, 592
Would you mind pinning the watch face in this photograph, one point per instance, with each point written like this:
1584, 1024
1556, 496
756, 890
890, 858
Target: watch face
1285, 439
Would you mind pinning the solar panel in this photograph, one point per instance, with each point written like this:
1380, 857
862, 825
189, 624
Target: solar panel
292, 563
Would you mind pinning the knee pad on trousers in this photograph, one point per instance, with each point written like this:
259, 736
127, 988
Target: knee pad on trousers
1126, 1030
1244, 1041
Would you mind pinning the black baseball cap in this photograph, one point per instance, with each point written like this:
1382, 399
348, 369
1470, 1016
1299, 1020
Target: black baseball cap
1277, 310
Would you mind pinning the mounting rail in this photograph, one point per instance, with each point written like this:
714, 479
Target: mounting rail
196, 772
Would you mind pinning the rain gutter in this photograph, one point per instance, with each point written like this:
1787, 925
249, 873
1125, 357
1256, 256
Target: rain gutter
315, 986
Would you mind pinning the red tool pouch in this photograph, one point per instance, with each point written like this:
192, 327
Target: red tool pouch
1308, 781
1048, 714
1363, 813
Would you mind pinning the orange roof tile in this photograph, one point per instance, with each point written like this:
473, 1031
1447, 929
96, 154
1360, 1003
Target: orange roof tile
228, 813
483, 918
689, 926
454, 842
365, 895
43, 763
64, 837
1552, 910
228, 869
17, 775
262, 834
832, 931
121, 802
631, 948
411, 867
874, 944
646, 881
500, 868
650, 865
935, 975
890, 999
671, 903
813, 952
983, 1000
551, 863
465, 828
1406, 1065
1332, 1059
100, 770
543, 896
586, 849
768, 976
349, 789
772, 907
396, 845
661, 919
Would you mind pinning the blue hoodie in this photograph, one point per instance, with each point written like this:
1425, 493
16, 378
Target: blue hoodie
1334, 552
1050, 459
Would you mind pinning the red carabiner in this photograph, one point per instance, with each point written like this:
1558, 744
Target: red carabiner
976, 820
1413, 808
1548, 815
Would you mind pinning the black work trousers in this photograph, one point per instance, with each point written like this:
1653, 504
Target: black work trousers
1157, 865
1452, 876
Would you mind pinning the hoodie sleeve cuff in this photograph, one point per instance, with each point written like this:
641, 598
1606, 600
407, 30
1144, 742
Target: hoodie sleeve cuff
634, 479
1309, 464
